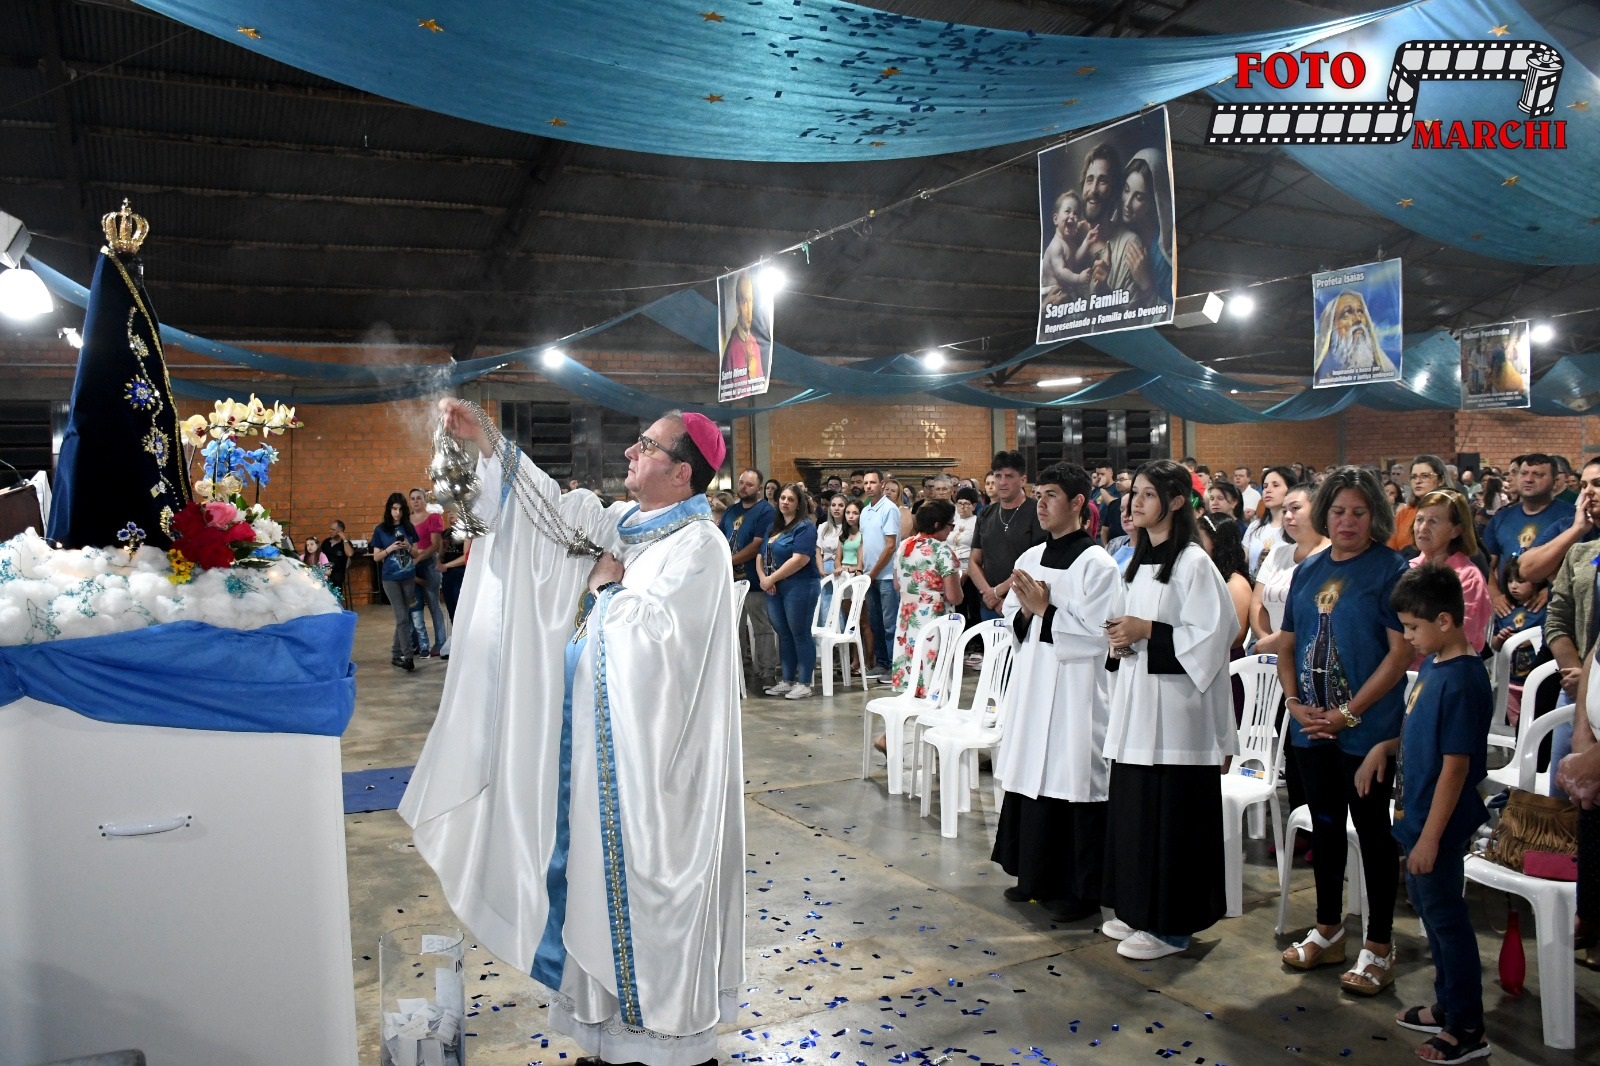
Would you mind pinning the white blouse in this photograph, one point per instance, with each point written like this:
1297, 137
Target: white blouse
1183, 719
828, 546
1277, 571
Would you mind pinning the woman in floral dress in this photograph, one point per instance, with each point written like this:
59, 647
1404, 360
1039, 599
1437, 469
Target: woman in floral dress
929, 580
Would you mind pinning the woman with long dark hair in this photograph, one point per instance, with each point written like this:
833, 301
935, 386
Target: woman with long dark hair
1345, 685
1266, 532
1171, 727
1223, 540
1222, 495
392, 541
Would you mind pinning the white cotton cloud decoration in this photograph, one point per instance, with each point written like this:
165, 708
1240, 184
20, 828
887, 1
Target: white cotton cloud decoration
50, 594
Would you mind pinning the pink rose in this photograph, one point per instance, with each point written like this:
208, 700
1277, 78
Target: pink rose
220, 514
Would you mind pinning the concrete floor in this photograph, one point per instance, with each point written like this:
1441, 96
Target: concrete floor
871, 939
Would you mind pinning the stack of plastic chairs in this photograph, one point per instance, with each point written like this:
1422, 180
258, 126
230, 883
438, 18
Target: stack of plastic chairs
934, 655
949, 748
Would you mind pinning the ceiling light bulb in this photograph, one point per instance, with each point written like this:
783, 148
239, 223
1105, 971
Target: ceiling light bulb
1543, 333
1241, 306
772, 280
552, 358
933, 360
23, 295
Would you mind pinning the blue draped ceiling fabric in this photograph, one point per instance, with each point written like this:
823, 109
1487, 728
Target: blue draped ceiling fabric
816, 81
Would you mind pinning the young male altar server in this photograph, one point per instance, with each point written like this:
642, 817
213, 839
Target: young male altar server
1052, 765
1171, 727
580, 793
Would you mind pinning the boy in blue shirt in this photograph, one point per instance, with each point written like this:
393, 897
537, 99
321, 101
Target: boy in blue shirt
1443, 748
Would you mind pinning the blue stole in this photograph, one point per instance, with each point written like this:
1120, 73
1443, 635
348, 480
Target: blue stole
551, 955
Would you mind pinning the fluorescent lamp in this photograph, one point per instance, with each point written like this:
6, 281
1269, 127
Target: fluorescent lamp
23, 295
1543, 333
1057, 383
933, 359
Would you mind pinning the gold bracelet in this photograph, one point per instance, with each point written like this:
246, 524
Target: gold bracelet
1350, 720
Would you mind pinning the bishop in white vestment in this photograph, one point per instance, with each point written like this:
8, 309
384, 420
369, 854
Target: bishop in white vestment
580, 794
1052, 763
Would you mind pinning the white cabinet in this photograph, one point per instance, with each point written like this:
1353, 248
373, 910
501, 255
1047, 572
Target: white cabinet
225, 940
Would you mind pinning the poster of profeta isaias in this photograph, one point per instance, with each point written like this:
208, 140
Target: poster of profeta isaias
1356, 316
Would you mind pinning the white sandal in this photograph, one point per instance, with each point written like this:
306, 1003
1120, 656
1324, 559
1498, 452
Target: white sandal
1371, 974
1315, 951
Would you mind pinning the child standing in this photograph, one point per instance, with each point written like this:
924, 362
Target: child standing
1520, 592
1443, 751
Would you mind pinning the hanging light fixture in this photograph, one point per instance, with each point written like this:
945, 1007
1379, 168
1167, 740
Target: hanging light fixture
933, 359
551, 358
1543, 333
23, 295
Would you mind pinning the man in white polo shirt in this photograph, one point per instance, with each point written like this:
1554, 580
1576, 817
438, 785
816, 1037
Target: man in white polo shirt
880, 528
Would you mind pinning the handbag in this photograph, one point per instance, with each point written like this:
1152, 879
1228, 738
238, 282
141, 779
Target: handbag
1533, 823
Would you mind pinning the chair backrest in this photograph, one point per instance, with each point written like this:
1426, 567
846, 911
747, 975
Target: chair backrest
826, 600
994, 674
741, 589
848, 598
1531, 730
1501, 677
1259, 734
934, 654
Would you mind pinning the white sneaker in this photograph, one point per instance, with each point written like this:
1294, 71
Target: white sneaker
779, 689
1117, 929
798, 692
1143, 945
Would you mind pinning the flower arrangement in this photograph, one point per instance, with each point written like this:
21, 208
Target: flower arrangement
220, 528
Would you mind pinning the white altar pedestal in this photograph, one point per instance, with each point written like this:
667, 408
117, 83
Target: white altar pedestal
226, 940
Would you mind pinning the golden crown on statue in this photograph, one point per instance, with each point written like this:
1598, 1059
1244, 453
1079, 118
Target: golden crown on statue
124, 230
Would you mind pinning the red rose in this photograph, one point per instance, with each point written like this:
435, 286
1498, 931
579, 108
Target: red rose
240, 531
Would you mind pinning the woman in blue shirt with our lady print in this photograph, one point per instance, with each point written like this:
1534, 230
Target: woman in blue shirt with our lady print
1346, 682
787, 571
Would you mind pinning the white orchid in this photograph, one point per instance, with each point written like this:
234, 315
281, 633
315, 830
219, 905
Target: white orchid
195, 429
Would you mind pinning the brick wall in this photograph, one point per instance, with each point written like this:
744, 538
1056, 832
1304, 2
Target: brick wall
1258, 445
867, 431
1499, 435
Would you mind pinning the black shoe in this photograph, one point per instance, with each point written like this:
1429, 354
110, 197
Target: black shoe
1069, 910
1017, 894
404, 662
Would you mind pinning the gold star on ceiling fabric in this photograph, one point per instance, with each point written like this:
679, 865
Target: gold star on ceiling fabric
1512, 180
1069, 103
1086, 71
250, 32
1500, 31
711, 16
557, 122
712, 98
1403, 203
1579, 105
888, 72
431, 25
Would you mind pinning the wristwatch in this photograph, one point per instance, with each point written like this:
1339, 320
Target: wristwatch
1350, 720
608, 585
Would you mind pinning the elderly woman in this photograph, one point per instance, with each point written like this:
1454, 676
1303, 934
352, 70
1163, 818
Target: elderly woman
1346, 678
1444, 534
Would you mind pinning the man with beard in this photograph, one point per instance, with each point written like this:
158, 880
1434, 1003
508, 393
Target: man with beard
1119, 261
1347, 342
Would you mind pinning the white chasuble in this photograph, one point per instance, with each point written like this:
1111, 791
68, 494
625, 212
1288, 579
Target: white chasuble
1184, 718
581, 792
1060, 688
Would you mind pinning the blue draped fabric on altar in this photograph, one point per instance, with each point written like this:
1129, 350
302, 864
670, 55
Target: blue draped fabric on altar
290, 677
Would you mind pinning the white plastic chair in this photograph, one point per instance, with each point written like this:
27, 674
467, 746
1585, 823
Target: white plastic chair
1253, 777
741, 589
950, 749
935, 674
1354, 873
1502, 734
992, 633
1523, 769
841, 630
1555, 906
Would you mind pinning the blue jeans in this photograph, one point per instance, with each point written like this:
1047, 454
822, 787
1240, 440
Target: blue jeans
790, 611
1560, 745
427, 596
1457, 973
882, 607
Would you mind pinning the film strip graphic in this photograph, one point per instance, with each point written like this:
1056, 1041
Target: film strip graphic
1536, 64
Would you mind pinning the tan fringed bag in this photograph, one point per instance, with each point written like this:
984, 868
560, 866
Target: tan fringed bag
1532, 822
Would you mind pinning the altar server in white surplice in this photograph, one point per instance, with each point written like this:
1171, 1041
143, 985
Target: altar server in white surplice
1052, 764
1171, 728
580, 795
